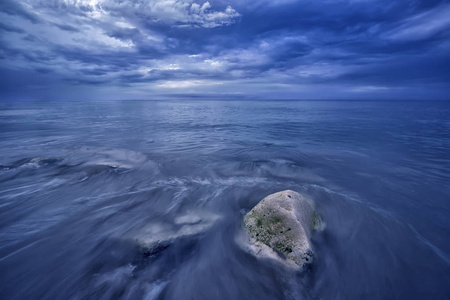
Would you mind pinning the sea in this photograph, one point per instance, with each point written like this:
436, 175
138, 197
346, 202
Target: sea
82, 183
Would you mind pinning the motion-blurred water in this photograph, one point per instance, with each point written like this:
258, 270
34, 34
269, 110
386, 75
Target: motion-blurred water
80, 180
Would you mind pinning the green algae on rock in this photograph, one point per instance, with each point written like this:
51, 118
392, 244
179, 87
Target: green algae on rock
279, 227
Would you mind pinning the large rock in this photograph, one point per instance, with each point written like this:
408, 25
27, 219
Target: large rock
279, 228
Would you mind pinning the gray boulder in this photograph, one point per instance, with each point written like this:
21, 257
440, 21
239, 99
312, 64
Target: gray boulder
279, 228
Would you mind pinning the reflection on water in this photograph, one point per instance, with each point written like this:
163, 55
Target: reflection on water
83, 185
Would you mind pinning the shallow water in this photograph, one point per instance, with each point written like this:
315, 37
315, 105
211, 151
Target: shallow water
80, 181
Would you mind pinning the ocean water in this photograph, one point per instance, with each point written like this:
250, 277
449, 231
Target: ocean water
81, 182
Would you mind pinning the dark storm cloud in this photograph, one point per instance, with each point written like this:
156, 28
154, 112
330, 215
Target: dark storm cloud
206, 49
66, 27
15, 8
11, 28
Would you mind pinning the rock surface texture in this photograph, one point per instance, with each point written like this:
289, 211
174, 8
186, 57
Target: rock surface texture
279, 228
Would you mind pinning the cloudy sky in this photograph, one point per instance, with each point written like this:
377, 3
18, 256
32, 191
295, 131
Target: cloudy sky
163, 49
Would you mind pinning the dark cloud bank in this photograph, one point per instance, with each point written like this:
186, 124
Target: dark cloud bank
156, 49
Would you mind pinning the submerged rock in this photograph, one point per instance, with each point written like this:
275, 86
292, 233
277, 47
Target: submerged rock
158, 236
279, 228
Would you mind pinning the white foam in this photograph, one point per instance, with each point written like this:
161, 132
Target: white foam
155, 289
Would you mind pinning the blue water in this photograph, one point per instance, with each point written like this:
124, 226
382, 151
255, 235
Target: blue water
80, 180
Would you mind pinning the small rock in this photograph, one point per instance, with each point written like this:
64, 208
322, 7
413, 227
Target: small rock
156, 237
279, 228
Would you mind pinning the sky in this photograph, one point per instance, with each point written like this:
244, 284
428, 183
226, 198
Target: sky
217, 49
